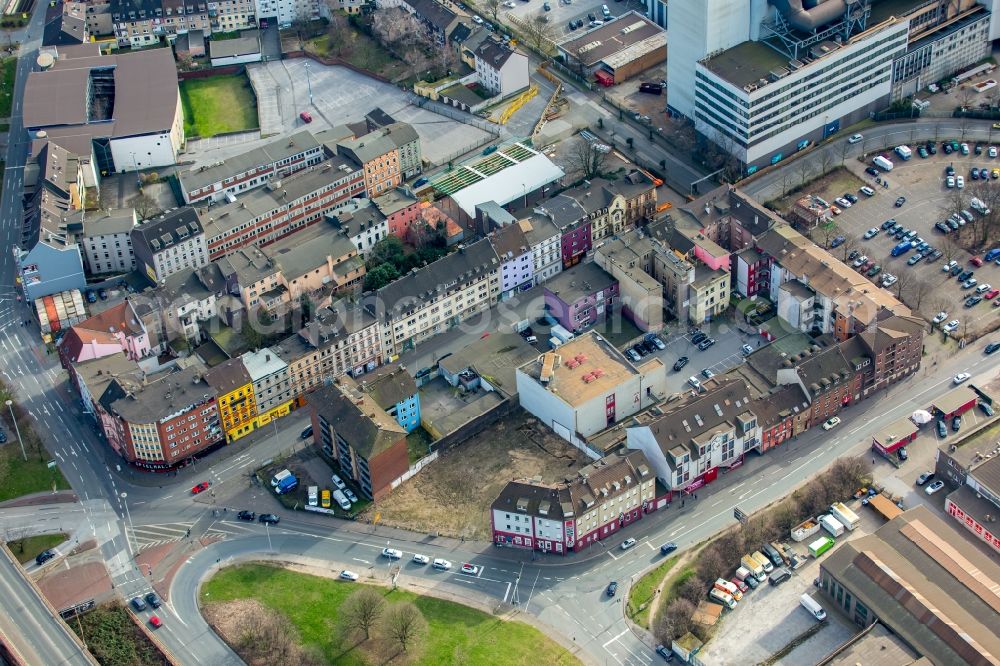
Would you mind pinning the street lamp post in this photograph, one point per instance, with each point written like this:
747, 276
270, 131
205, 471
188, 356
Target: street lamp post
135, 167
10, 406
267, 529
128, 515
309, 84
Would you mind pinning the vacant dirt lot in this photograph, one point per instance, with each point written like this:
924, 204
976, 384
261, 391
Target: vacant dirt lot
453, 494
830, 186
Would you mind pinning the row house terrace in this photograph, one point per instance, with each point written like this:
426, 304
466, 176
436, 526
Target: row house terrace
281, 208
237, 174
601, 499
437, 297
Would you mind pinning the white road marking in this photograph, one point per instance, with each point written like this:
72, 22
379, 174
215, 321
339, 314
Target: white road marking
624, 631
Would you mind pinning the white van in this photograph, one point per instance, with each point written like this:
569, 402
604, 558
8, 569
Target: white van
341, 500
723, 598
313, 495
694, 383
882, 163
279, 477
814, 608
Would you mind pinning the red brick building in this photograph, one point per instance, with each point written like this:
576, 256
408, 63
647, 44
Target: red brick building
782, 414
603, 498
400, 212
366, 444
162, 421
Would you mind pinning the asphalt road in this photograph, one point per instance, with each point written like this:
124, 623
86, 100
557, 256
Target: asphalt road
29, 628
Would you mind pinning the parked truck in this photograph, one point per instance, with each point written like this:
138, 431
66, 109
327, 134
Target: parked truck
814, 608
820, 546
764, 562
807, 528
286, 485
745, 575
831, 525
845, 516
904, 152
755, 567
723, 598
882, 163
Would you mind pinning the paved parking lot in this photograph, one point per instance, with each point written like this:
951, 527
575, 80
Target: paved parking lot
928, 201
561, 13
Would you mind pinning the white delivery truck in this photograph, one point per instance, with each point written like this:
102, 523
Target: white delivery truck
882, 163
831, 525
814, 608
904, 152
279, 477
755, 567
723, 598
845, 516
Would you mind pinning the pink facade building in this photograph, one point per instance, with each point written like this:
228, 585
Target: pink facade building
400, 212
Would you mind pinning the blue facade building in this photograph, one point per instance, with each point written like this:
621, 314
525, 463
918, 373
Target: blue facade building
393, 389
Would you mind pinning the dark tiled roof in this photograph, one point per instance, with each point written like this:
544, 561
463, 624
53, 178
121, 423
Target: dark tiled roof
357, 419
692, 418
228, 376
164, 231
389, 385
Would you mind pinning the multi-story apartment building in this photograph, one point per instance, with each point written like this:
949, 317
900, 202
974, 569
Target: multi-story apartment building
587, 386
379, 158
107, 241
601, 499
407, 141
139, 23
582, 296
186, 301
362, 223
365, 443
400, 211
516, 259
252, 275
281, 208
545, 241
233, 388
115, 330
437, 297
164, 420
689, 445
169, 244
502, 70
232, 15
393, 389
628, 259
286, 12
339, 340
272, 387
255, 168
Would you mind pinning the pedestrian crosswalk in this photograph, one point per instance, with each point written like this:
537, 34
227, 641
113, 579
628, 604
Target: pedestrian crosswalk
148, 536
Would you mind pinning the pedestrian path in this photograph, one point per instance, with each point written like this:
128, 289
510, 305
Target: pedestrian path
147, 536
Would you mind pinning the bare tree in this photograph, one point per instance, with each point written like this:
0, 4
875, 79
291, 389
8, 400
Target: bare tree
587, 158
361, 611
825, 162
918, 292
493, 8
538, 33
803, 168
850, 243
404, 626
145, 206
903, 280
965, 94
950, 248
827, 232
692, 589
674, 621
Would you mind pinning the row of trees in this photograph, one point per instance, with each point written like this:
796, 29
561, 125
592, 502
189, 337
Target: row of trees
720, 557
400, 628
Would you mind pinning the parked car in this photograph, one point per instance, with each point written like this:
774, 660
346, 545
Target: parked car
831, 423
837, 242
392, 553
348, 575
888, 224
986, 409
951, 326
44, 556
942, 429
655, 339
102, 294
420, 559
961, 377
705, 344
746, 349
443, 565
306, 117
155, 622
924, 478
628, 543
871, 233
934, 487
663, 650
900, 201
973, 301
680, 363
138, 604
698, 337
939, 317
956, 422
470, 569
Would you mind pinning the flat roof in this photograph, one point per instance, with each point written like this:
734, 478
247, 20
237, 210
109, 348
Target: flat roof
954, 399
279, 149
246, 44
616, 36
513, 181
745, 63
485, 165
568, 375
495, 358
895, 431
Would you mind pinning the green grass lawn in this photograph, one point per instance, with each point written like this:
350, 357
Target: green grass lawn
457, 634
640, 596
217, 105
25, 550
19, 477
417, 444
7, 73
